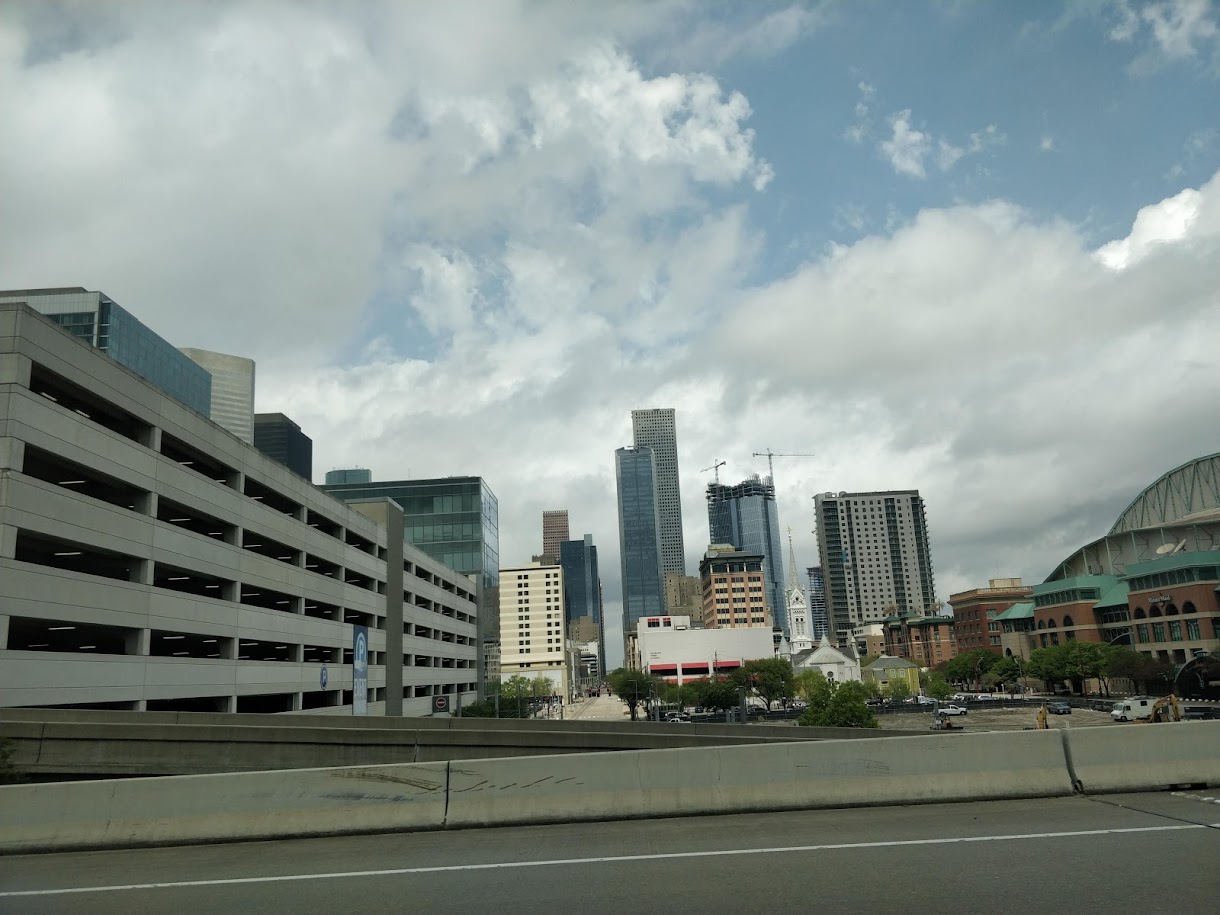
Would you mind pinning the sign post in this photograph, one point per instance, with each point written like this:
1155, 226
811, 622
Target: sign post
440, 705
360, 670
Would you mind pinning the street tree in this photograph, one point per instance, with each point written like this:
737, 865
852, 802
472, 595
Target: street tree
845, 708
898, 690
769, 678
1005, 671
813, 687
633, 687
935, 685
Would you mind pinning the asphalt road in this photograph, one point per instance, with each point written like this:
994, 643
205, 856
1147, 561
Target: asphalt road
1122, 853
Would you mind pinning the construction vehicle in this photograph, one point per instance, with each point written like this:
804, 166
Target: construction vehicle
942, 723
1164, 709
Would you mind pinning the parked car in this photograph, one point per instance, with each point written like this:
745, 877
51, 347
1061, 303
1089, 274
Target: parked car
756, 710
925, 700
678, 718
1058, 708
985, 697
952, 710
958, 697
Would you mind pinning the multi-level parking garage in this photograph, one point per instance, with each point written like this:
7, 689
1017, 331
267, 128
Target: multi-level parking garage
151, 560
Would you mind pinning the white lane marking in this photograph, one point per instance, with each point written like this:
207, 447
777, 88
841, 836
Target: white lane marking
610, 859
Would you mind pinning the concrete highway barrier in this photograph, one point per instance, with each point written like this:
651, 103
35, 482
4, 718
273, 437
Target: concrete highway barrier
193, 809
1141, 757
628, 785
625, 784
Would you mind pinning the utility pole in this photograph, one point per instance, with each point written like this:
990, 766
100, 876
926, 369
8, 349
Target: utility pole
716, 465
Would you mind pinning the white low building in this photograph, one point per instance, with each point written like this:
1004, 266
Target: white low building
149, 559
667, 647
840, 666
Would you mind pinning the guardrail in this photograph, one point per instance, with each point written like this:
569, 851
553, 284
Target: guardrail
602, 786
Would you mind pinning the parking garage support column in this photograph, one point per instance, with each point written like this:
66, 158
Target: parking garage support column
3, 631
393, 608
138, 642
8, 541
12, 453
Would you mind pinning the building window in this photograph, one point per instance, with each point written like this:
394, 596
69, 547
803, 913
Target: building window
1141, 632
1192, 629
1175, 631
1158, 632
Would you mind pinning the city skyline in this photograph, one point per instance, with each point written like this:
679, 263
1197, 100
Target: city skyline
892, 240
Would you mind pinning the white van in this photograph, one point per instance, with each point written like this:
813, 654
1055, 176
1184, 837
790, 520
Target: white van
1130, 709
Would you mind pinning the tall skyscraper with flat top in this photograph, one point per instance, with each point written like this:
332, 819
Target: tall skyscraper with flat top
232, 390
875, 555
554, 532
655, 429
639, 535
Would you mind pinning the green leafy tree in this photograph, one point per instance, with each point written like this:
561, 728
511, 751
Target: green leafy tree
1082, 661
813, 687
633, 687
768, 678
845, 708
541, 686
935, 685
719, 694
970, 666
1005, 671
898, 690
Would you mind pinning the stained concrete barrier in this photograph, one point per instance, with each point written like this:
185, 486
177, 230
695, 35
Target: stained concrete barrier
929, 769
196, 809
1140, 757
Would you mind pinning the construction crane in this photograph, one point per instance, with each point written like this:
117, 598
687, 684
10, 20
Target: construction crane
769, 454
715, 468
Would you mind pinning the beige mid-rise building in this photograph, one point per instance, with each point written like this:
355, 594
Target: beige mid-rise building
734, 589
532, 638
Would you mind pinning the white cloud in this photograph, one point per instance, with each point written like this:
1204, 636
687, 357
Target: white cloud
858, 131
713, 43
1174, 30
1168, 221
1047, 144
908, 148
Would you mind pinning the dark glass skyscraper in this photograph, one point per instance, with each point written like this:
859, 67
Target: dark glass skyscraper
639, 528
745, 516
278, 437
582, 592
818, 624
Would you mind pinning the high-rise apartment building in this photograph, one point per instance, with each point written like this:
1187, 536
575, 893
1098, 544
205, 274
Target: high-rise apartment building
684, 596
532, 631
874, 550
96, 319
818, 623
232, 390
554, 532
639, 535
734, 589
745, 515
582, 592
278, 437
655, 429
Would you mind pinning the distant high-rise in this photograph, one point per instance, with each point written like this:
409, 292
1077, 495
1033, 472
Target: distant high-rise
817, 603
582, 592
96, 319
874, 550
745, 515
656, 429
232, 390
554, 532
278, 437
639, 527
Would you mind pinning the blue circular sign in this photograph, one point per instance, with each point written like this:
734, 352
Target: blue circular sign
324, 677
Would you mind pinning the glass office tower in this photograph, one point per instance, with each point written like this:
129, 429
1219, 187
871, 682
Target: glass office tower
455, 520
582, 592
639, 528
95, 318
745, 516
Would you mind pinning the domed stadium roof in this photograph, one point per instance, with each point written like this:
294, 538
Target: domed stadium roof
1187, 493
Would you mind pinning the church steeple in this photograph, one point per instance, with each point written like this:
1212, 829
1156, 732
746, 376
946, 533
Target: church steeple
798, 606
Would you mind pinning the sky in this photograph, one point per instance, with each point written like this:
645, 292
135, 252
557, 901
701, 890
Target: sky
969, 248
